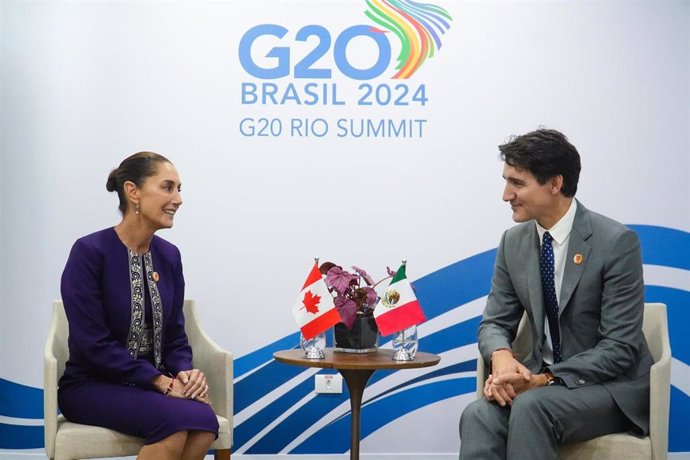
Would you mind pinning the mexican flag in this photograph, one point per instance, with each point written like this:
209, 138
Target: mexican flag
314, 309
398, 309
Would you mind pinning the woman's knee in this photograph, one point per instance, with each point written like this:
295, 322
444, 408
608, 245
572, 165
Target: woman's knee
201, 437
169, 447
178, 439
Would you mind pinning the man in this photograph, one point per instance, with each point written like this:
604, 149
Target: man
578, 277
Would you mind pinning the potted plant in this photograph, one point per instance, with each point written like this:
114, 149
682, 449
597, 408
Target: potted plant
355, 299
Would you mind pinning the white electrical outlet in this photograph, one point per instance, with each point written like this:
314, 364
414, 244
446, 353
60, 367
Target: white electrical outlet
328, 383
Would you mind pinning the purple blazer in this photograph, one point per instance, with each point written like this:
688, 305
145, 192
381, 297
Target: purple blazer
105, 294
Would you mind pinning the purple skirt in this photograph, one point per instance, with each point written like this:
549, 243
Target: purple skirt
136, 411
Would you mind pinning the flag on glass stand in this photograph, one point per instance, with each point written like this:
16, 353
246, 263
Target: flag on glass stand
314, 309
398, 308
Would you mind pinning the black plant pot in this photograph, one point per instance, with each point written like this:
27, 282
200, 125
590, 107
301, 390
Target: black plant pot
362, 338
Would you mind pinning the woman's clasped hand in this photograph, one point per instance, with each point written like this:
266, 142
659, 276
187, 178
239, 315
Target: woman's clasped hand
189, 384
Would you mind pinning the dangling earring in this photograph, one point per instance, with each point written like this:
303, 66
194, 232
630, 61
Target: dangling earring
137, 208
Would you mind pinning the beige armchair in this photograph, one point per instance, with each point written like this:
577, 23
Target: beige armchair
65, 440
621, 446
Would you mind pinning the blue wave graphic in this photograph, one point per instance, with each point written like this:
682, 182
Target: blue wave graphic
379, 413
439, 292
467, 366
21, 437
664, 246
21, 401
679, 421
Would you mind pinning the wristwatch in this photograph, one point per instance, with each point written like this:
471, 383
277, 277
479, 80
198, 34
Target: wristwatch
551, 380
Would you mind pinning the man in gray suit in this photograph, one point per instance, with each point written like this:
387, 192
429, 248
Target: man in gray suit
588, 371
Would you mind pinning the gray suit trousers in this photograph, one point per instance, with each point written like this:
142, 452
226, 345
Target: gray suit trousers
538, 421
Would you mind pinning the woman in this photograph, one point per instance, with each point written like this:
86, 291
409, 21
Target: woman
130, 366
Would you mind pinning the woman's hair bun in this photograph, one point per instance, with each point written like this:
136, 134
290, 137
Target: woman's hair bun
111, 184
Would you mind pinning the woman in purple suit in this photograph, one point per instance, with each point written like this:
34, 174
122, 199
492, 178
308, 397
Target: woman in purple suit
130, 366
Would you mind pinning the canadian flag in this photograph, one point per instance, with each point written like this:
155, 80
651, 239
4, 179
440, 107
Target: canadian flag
314, 309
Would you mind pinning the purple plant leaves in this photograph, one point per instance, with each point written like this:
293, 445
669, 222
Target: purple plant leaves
347, 309
371, 298
339, 279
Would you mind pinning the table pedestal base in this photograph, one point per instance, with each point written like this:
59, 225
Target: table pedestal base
355, 380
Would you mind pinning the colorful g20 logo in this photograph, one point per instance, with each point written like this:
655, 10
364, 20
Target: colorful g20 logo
418, 26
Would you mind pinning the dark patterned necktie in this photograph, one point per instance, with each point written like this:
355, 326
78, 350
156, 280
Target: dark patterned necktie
546, 265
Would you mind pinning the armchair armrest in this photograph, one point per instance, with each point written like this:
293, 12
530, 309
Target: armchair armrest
659, 401
50, 386
213, 360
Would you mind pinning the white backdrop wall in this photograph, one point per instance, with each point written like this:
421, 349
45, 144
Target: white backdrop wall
84, 84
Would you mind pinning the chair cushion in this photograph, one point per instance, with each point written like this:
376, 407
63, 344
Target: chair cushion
618, 446
75, 440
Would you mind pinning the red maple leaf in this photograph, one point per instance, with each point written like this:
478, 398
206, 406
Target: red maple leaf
311, 302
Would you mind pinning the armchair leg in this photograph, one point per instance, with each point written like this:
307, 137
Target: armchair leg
222, 454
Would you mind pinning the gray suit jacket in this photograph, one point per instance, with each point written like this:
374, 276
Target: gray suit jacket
600, 310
